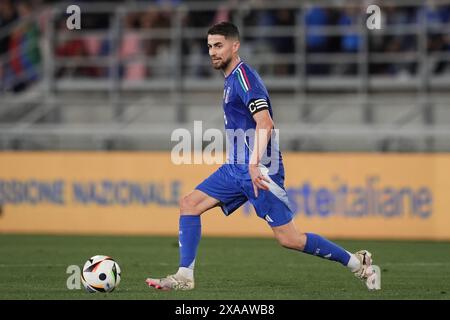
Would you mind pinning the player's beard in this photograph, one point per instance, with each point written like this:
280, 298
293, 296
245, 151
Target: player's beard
223, 65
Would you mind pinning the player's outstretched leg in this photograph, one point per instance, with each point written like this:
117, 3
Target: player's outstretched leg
360, 263
191, 207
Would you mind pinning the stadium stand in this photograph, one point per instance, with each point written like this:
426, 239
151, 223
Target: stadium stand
135, 71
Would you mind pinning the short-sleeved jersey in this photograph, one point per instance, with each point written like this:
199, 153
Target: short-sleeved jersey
244, 95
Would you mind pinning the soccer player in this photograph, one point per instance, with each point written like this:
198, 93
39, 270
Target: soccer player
254, 173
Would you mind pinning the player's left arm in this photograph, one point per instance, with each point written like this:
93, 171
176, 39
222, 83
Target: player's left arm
263, 131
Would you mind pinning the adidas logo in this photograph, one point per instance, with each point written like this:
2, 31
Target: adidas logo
268, 218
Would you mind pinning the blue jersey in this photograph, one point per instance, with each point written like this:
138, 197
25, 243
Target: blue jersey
244, 95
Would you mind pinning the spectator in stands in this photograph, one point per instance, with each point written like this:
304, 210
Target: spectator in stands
24, 49
259, 43
8, 15
131, 51
435, 16
350, 40
284, 44
71, 47
316, 17
397, 42
157, 48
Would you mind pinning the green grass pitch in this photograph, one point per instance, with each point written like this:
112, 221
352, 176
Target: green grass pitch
34, 267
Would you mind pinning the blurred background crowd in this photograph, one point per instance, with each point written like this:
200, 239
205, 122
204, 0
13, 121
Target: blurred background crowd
21, 49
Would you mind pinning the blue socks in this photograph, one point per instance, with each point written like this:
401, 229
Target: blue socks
319, 246
189, 238
190, 234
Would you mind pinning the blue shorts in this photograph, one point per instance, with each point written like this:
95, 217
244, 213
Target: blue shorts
233, 190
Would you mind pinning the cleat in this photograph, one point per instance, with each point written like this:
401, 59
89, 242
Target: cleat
373, 282
369, 273
171, 282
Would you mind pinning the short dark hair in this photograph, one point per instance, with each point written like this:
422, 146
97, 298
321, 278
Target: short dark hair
226, 29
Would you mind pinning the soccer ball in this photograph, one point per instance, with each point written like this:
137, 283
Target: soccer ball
100, 274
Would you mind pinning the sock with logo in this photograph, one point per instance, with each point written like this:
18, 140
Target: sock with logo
319, 246
189, 238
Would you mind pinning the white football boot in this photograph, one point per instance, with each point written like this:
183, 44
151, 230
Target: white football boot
369, 273
171, 282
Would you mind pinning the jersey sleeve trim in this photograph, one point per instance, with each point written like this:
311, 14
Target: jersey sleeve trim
243, 79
